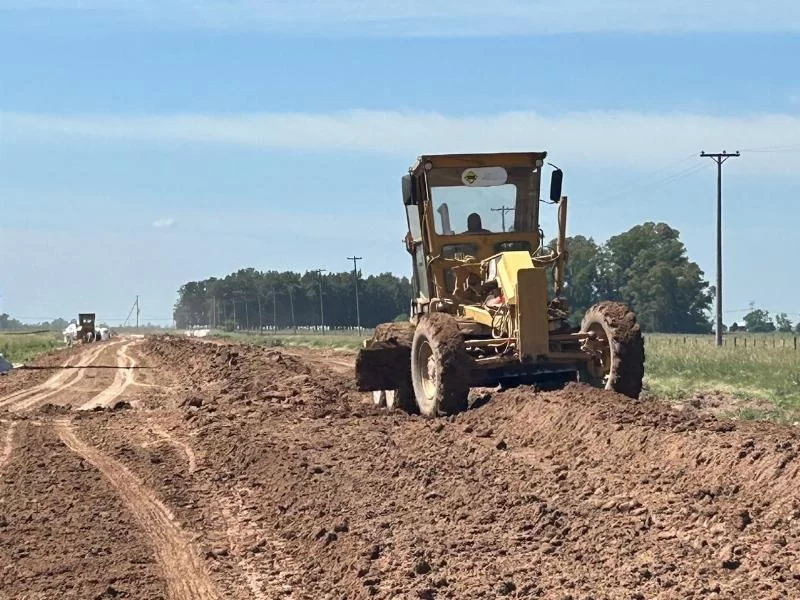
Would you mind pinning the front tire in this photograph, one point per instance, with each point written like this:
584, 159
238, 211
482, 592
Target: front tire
619, 365
440, 366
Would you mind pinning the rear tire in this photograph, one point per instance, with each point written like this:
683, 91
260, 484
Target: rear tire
440, 366
621, 365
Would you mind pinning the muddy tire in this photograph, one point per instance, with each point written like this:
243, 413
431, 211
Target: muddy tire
621, 365
440, 366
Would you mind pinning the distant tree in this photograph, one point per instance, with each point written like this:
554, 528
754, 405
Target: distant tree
758, 320
647, 268
783, 323
735, 327
59, 324
797, 328
581, 275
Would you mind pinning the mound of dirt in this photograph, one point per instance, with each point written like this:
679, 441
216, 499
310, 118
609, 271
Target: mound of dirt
300, 488
211, 375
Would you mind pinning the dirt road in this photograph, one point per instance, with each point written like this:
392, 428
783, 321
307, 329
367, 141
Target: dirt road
236, 472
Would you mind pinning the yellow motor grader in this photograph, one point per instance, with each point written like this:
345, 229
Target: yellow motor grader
484, 311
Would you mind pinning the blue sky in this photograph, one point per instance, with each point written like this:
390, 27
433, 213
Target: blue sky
151, 143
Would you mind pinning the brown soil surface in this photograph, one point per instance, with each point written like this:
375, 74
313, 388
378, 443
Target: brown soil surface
240, 472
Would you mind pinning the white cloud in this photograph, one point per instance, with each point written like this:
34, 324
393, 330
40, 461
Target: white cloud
164, 223
448, 17
594, 138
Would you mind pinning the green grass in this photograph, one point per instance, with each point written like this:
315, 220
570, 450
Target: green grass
328, 341
760, 371
22, 348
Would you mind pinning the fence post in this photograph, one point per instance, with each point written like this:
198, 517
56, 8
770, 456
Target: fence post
734, 342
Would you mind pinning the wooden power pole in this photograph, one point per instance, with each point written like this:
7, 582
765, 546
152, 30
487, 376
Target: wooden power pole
719, 158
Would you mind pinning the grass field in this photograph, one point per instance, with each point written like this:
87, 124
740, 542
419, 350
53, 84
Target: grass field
765, 367
21, 348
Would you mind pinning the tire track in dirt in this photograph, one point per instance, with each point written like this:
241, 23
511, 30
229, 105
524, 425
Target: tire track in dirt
123, 378
240, 525
185, 576
8, 445
191, 458
26, 399
65, 532
54, 381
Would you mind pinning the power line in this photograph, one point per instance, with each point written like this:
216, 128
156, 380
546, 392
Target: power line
789, 148
639, 182
719, 158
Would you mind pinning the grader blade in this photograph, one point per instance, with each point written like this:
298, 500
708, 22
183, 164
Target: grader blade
385, 361
382, 367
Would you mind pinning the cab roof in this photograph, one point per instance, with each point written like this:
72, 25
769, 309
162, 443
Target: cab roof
498, 159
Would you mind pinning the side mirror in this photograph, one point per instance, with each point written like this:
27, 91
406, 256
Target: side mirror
409, 191
556, 179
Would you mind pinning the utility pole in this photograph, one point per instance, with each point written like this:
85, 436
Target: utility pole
319, 273
137, 313
274, 310
719, 158
290, 287
503, 210
355, 260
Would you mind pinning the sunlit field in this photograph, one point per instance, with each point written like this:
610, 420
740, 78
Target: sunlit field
19, 348
748, 367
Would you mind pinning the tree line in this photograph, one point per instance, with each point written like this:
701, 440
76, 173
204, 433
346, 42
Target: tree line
251, 299
646, 267
9, 324
758, 320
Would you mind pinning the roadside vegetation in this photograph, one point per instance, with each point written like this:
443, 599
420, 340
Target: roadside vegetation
19, 348
748, 368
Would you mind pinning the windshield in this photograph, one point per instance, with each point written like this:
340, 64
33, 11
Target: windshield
484, 199
474, 210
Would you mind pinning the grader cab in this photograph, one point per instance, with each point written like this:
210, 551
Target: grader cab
86, 327
482, 315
